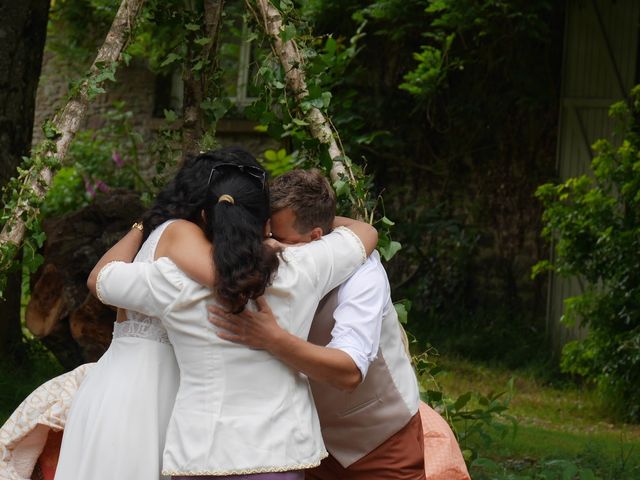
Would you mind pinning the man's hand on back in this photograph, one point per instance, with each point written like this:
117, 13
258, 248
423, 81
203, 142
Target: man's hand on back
254, 329
261, 330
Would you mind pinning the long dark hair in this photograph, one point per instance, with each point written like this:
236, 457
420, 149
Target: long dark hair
243, 264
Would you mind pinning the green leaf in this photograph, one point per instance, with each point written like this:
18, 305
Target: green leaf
462, 401
386, 221
170, 115
485, 463
326, 99
50, 130
401, 310
330, 46
172, 57
389, 251
192, 27
202, 41
288, 32
434, 395
341, 187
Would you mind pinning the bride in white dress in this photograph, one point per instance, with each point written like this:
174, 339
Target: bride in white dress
117, 422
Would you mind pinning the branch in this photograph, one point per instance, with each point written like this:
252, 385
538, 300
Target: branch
196, 83
291, 60
66, 123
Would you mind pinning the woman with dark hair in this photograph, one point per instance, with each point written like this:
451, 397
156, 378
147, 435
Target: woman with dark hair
238, 411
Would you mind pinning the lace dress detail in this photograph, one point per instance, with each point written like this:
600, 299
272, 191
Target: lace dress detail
139, 325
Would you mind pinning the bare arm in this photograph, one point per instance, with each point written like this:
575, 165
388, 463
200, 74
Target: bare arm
125, 250
367, 234
187, 246
183, 242
261, 330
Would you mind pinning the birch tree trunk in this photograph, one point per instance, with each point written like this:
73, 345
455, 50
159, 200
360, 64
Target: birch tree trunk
67, 123
292, 62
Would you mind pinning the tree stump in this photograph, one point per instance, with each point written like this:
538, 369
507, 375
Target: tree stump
62, 313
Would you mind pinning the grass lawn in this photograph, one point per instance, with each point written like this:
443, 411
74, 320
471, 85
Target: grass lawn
554, 423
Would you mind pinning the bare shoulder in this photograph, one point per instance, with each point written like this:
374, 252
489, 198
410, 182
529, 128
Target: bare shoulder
179, 237
180, 227
187, 246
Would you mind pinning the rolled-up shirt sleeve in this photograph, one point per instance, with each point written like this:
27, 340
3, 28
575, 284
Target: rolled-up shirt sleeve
142, 287
358, 316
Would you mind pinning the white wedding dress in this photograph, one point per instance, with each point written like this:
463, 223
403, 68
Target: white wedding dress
118, 419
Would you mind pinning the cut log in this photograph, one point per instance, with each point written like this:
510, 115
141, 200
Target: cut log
74, 325
47, 302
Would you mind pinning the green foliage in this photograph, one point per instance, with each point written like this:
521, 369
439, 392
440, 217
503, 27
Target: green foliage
486, 469
466, 20
452, 105
475, 418
18, 381
77, 28
20, 194
98, 161
594, 221
67, 193
279, 162
284, 117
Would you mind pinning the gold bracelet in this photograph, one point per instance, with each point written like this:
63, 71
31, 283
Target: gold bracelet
138, 226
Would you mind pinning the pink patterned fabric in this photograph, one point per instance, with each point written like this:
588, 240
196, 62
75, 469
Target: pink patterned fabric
442, 456
25, 433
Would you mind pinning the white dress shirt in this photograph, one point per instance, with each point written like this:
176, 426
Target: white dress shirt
361, 302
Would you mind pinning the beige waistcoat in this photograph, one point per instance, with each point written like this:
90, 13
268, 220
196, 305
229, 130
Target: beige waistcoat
353, 424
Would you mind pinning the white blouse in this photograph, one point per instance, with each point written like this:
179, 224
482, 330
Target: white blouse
238, 410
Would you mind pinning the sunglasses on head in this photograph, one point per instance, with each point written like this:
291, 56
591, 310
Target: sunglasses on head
255, 172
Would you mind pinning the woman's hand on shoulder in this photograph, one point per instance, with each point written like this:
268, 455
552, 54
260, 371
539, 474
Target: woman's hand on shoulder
185, 244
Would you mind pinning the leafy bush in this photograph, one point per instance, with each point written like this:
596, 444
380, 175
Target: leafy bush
99, 160
451, 105
594, 221
476, 419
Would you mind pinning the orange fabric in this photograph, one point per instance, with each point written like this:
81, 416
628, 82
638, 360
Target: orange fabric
442, 456
399, 458
48, 460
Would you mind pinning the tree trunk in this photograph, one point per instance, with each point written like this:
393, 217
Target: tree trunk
196, 84
292, 63
23, 31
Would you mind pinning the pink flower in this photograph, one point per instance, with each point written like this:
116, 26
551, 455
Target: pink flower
88, 187
103, 187
117, 159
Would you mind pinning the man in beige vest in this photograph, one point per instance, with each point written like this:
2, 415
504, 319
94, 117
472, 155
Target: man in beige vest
363, 383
